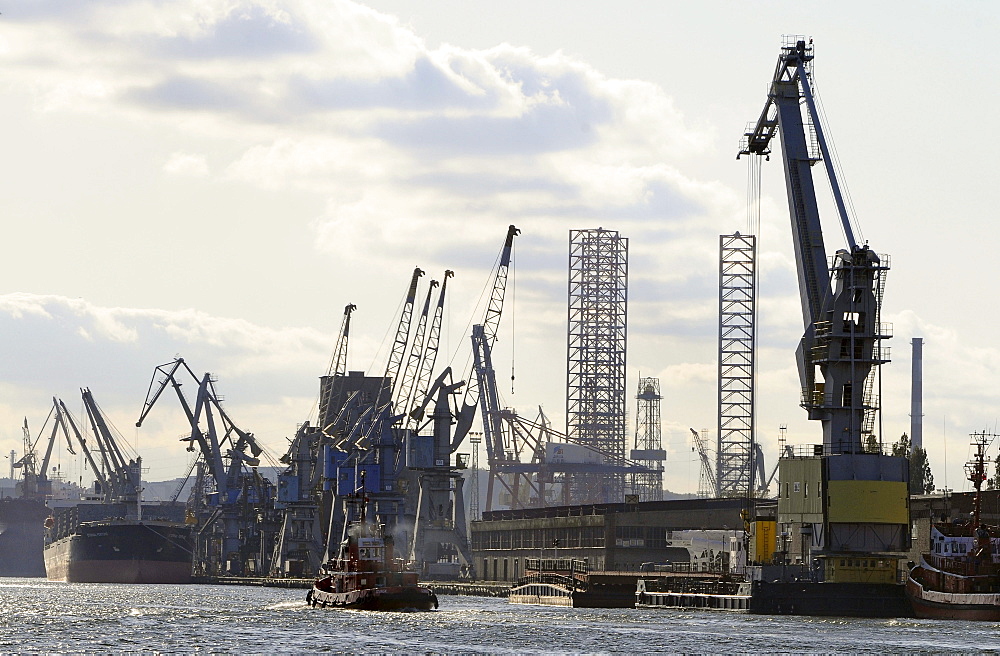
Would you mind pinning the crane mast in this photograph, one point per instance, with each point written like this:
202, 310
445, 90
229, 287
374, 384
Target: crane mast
395, 364
842, 332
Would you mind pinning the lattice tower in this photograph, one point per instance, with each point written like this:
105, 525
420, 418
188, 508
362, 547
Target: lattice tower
737, 313
648, 450
596, 339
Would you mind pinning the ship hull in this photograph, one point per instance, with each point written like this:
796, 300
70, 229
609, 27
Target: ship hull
551, 594
21, 536
932, 604
122, 552
829, 599
389, 598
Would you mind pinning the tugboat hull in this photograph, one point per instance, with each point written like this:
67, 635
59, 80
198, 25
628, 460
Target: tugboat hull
931, 604
390, 598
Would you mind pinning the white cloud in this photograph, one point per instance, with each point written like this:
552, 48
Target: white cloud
186, 164
345, 150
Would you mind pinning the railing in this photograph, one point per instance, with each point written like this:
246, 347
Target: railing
815, 450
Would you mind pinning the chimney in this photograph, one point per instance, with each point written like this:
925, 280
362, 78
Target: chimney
917, 394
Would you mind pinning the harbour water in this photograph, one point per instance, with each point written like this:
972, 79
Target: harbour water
41, 616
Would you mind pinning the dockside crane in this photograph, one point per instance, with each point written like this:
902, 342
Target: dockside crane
707, 468
35, 482
68, 425
838, 357
242, 500
305, 504
842, 328
440, 524
124, 476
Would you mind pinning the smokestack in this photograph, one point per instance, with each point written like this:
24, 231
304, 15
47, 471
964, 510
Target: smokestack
917, 394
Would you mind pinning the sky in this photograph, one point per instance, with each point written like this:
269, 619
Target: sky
217, 179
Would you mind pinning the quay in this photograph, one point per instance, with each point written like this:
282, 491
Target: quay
469, 588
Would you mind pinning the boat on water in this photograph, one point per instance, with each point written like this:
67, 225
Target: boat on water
21, 531
22, 515
365, 574
959, 578
719, 592
109, 535
120, 551
570, 582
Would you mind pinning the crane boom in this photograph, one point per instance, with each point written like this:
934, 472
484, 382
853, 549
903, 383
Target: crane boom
706, 462
404, 391
337, 370
430, 352
65, 419
783, 111
490, 324
124, 476
207, 407
396, 357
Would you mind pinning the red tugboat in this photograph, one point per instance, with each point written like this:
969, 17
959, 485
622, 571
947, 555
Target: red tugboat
365, 575
960, 578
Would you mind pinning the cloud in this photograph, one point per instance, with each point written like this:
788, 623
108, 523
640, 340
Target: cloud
186, 164
245, 32
331, 122
57, 338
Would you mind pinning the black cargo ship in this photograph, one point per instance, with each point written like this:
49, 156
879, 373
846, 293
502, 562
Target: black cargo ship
21, 534
118, 550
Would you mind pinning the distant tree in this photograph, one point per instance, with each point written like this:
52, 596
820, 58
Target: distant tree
872, 445
921, 478
901, 449
993, 483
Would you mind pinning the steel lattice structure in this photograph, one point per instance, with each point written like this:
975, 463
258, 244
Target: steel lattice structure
595, 387
648, 449
737, 312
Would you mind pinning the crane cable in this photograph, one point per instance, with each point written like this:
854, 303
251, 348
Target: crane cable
512, 269
753, 194
835, 156
754, 168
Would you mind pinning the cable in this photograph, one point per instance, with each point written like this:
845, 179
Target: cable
513, 292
